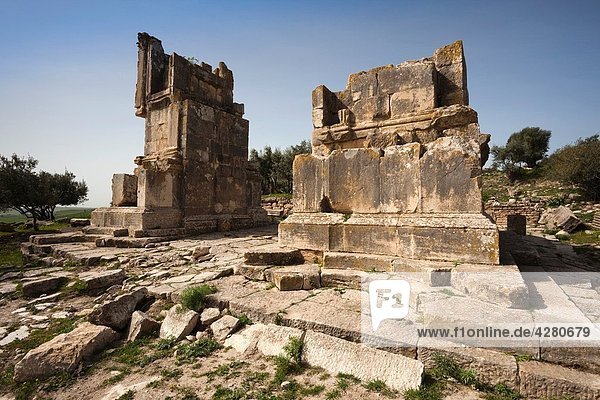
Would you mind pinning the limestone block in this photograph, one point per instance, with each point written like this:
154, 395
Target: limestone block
357, 261
371, 108
141, 325
116, 313
546, 381
353, 177
363, 84
450, 176
340, 356
273, 255
274, 338
209, 315
42, 286
224, 327
400, 178
245, 341
297, 277
124, 190
64, 352
308, 183
562, 218
452, 75
178, 323
102, 280
502, 286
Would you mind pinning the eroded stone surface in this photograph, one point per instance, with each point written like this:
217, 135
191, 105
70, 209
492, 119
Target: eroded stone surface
64, 352
340, 356
178, 323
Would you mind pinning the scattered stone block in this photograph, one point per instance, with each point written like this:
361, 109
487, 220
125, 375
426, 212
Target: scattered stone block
562, 218
224, 327
141, 325
64, 352
273, 255
101, 280
178, 323
298, 277
245, 341
200, 252
43, 286
340, 356
209, 315
545, 381
116, 313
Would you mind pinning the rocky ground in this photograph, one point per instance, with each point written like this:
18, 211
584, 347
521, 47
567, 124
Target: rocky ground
237, 336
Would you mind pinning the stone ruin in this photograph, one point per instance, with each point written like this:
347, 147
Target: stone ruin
396, 167
194, 175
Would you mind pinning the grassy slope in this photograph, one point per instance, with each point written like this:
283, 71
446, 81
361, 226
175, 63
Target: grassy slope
61, 212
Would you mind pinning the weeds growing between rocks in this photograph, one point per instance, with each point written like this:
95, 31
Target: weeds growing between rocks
193, 297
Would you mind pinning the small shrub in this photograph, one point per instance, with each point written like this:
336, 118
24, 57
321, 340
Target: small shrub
189, 352
193, 296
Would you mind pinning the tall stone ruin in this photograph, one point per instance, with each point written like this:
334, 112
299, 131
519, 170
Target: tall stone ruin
194, 175
396, 167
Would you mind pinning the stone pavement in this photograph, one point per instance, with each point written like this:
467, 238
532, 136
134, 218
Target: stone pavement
442, 294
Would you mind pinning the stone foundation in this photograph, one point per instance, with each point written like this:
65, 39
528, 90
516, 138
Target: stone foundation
442, 237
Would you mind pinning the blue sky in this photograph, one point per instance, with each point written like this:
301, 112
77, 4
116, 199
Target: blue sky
68, 67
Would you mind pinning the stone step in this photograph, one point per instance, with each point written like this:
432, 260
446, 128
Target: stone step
342, 278
295, 277
540, 380
273, 255
106, 230
56, 238
128, 242
358, 261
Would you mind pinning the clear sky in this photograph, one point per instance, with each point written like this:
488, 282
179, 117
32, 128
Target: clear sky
68, 68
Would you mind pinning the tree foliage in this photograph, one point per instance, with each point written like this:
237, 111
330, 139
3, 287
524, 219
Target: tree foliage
36, 194
276, 166
579, 164
526, 147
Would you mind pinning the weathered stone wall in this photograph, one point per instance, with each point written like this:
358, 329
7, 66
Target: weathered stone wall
499, 212
394, 105
395, 167
194, 173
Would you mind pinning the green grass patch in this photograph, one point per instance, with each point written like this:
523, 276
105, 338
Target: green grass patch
39, 336
380, 387
193, 297
188, 353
